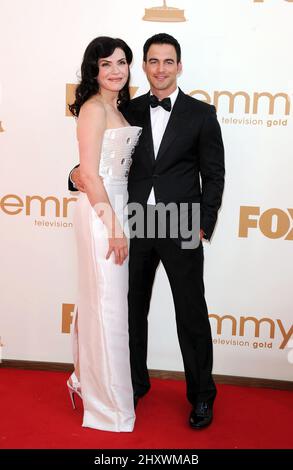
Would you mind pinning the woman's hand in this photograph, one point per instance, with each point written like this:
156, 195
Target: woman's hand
119, 246
116, 237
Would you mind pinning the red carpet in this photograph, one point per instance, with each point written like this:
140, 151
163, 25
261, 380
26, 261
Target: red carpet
36, 413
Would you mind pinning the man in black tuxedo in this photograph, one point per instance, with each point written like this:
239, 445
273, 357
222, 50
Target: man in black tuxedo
179, 159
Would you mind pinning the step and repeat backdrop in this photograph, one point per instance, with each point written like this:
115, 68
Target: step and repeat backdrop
236, 55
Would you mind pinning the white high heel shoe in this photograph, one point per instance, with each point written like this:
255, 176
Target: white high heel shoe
73, 387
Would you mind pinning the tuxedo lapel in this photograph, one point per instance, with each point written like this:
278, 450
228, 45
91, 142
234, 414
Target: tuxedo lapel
176, 122
143, 119
148, 135
174, 125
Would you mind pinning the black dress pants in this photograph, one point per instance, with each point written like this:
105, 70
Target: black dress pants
184, 268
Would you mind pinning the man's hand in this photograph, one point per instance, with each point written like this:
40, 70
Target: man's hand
76, 179
201, 234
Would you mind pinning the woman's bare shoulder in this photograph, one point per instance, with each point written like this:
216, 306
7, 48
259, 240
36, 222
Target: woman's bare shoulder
93, 107
93, 110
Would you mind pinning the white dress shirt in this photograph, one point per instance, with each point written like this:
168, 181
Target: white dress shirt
159, 121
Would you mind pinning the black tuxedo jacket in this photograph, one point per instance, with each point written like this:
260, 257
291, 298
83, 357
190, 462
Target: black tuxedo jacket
190, 163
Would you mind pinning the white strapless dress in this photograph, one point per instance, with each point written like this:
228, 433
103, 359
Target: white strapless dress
100, 338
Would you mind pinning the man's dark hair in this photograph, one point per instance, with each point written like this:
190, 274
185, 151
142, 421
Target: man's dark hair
162, 38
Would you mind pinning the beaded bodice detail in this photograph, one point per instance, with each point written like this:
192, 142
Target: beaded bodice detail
117, 148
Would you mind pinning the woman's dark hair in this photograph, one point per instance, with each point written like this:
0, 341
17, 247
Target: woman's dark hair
99, 48
162, 38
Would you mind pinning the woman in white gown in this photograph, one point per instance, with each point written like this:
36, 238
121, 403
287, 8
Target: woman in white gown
106, 141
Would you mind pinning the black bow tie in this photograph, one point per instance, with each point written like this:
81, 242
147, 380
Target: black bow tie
165, 103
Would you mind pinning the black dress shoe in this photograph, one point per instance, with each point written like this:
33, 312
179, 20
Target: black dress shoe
137, 396
135, 400
201, 416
